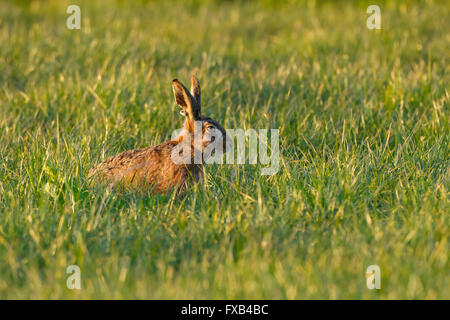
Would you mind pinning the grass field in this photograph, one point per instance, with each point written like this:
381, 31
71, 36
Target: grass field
364, 140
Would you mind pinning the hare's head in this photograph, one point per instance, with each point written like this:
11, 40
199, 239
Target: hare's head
195, 124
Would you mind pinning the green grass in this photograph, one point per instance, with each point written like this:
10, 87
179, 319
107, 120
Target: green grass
364, 141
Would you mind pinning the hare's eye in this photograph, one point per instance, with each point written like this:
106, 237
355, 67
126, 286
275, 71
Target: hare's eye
210, 128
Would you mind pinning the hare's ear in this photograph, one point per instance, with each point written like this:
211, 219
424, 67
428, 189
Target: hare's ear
195, 91
185, 100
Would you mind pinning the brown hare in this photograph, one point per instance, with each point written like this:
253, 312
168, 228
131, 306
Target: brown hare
172, 165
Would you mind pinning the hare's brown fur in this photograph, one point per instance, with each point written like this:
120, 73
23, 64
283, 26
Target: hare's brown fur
152, 168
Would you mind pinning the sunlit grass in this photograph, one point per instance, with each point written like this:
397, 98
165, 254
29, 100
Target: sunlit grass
364, 140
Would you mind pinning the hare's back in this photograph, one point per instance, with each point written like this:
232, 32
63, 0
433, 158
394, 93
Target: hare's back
132, 161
